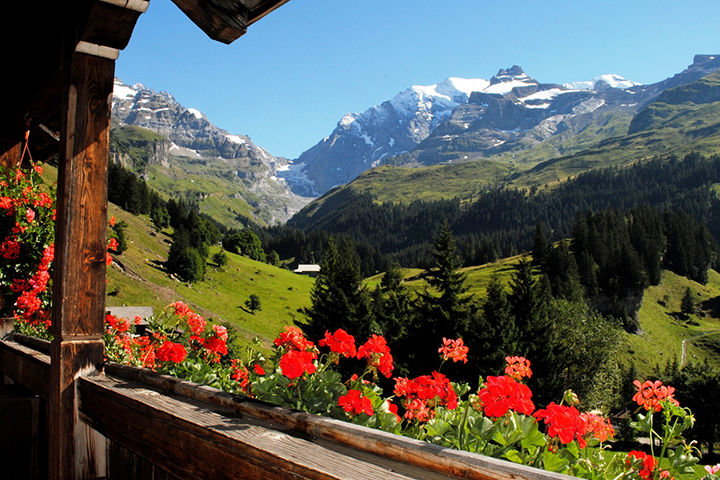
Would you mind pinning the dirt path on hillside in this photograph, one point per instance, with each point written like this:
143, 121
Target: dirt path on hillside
684, 344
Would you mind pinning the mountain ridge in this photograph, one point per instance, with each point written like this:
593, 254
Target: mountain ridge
508, 114
188, 141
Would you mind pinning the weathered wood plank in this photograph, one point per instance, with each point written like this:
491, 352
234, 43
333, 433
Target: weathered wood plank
75, 452
42, 346
224, 23
448, 462
126, 465
25, 366
79, 281
211, 443
111, 22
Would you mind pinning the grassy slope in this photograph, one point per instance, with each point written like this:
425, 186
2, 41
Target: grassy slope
220, 296
195, 180
662, 332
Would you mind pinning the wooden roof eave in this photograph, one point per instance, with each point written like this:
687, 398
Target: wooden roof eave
226, 20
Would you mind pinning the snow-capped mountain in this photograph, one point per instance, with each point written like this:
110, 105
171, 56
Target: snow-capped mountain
609, 80
463, 119
365, 139
192, 137
510, 100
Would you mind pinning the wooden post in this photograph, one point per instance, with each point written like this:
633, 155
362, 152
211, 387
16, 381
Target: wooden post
75, 451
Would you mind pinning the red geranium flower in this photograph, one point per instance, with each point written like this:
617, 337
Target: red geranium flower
563, 422
181, 309
501, 394
454, 350
650, 394
518, 368
240, 374
293, 338
339, 342
378, 354
424, 393
195, 322
597, 426
221, 332
10, 249
171, 352
295, 363
113, 245
120, 325
216, 345
355, 403
642, 462
258, 369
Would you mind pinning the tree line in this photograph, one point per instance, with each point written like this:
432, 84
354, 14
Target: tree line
500, 222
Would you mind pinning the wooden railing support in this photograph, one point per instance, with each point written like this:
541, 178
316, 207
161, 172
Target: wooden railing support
75, 451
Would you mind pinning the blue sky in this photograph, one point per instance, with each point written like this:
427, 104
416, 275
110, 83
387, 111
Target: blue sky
289, 80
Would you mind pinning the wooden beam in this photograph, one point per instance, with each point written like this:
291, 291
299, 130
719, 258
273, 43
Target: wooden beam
224, 21
111, 22
25, 366
75, 452
198, 441
353, 439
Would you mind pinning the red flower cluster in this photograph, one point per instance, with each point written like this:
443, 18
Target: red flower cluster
29, 304
643, 463
650, 394
454, 350
10, 249
295, 363
171, 352
119, 325
502, 394
294, 339
339, 342
563, 422
424, 393
240, 374
355, 403
378, 354
518, 368
597, 426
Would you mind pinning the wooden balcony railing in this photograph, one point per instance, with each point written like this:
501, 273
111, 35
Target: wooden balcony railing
151, 426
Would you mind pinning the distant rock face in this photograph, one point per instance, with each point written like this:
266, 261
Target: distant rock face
421, 121
461, 119
362, 141
191, 135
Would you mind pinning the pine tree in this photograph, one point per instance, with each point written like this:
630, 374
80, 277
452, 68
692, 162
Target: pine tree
529, 300
447, 314
541, 245
687, 304
183, 259
444, 310
338, 299
493, 336
392, 305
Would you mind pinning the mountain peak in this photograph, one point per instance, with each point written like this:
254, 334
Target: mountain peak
700, 59
601, 82
512, 71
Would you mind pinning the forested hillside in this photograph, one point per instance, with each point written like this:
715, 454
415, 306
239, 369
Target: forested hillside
501, 222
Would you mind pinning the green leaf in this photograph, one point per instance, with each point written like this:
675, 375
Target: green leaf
554, 463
